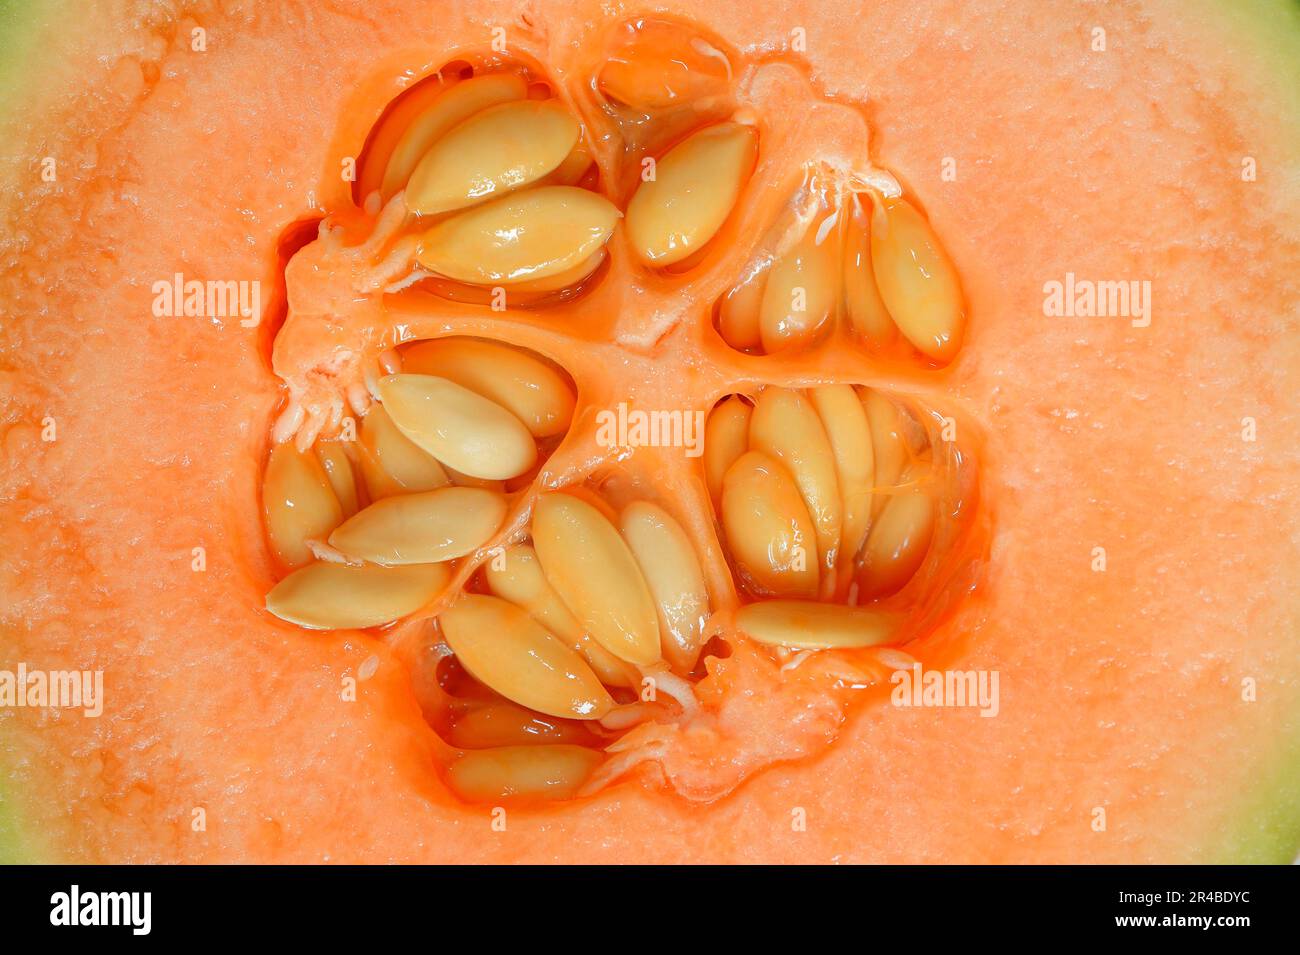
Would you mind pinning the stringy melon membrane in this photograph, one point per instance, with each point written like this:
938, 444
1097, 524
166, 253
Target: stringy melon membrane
844, 519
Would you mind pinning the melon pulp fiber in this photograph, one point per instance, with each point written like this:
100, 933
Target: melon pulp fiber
1121, 689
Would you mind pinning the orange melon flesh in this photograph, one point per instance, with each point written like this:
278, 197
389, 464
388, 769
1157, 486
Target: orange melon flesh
1120, 689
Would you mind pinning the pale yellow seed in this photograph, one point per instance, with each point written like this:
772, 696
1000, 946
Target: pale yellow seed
849, 432
504, 648
327, 596
574, 167
672, 571
458, 103
917, 281
495, 151
523, 384
726, 436
516, 575
695, 186
888, 445
768, 529
786, 427
298, 503
422, 528
862, 303
594, 572
800, 293
391, 462
524, 772
464, 430
508, 724
464, 480
898, 542
809, 625
520, 237
338, 468
738, 313
560, 280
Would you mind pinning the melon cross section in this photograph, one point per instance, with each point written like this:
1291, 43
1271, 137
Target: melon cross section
731, 262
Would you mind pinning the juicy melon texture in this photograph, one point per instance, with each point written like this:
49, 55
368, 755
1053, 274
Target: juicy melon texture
1095, 432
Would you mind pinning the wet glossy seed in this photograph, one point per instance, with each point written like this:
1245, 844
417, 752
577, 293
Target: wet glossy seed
338, 468
503, 647
466, 431
516, 575
422, 528
866, 311
508, 724
593, 570
889, 446
523, 384
898, 542
799, 297
298, 503
326, 596
917, 281
527, 235
574, 166
662, 64
495, 151
768, 529
809, 625
739, 313
786, 427
457, 103
726, 437
849, 432
391, 462
672, 571
696, 185
524, 772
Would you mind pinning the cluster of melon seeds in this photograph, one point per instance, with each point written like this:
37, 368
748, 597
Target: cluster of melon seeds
570, 595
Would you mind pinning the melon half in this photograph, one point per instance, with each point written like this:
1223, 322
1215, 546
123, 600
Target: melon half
1135, 591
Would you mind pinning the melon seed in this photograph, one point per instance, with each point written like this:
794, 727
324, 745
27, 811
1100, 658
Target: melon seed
849, 432
663, 64
391, 462
898, 542
726, 437
462, 429
528, 387
516, 575
809, 625
327, 596
593, 570
888, 445
449, 109
867, 313
695, 187
672, 571
917, 281
800, 293
522, 236
298, 502
538, 772
338, 468
786, 427
508, 724
504, 648
422, 528
739, 321
495, 151
768, 529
